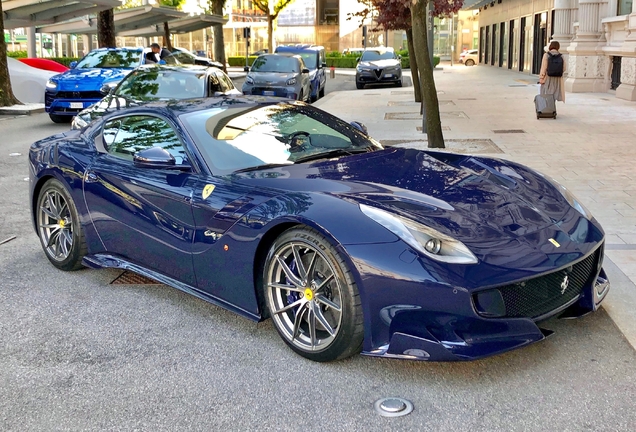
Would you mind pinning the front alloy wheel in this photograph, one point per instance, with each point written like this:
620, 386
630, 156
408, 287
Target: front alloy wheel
59, 228
311, 297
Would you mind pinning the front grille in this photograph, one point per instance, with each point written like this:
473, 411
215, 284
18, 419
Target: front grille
536, 297
378, 72
280, 92
78, 95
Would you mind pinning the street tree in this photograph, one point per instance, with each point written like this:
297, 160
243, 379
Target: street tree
216, 8
106, 29
6, 93
167, 40
277, 6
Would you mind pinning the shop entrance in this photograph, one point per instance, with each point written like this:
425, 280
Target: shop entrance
540, 40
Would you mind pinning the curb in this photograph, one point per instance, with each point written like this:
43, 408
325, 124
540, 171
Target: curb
20, 111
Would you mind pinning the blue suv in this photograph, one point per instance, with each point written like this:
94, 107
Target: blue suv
316, 61
70, 92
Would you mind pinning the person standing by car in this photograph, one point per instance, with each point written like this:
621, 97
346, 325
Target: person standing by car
552, 70
157, 53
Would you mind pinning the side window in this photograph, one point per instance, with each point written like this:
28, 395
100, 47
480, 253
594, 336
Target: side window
228, 82
126, 136
222, 84
215, 85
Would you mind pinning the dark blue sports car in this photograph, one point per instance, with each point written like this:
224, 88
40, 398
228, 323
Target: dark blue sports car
277, 209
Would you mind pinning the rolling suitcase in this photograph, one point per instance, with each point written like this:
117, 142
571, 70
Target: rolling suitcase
545, 106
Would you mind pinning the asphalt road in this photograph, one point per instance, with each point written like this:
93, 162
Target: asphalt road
79, 353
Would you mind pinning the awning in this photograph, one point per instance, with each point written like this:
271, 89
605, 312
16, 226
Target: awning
181, 25
125, 20
31, 13
475, 4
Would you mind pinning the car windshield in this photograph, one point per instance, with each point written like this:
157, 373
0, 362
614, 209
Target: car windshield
275, 63
110, 59
242, 138
377, 55
162, 84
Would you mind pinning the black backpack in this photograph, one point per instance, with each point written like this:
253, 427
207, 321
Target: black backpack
555, 65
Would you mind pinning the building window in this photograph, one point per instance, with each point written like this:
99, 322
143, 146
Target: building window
616, 72
624, 7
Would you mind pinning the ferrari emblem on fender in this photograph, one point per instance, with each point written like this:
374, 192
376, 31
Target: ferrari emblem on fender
207, 190
564, 284
554, 242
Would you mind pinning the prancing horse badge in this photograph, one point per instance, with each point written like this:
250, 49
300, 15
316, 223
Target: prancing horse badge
207, 190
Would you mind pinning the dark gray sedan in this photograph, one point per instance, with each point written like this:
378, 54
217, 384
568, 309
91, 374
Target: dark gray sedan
282, 75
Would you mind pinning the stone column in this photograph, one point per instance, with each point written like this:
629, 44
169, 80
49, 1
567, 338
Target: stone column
31, 42
563, 20
627, 89
588, 67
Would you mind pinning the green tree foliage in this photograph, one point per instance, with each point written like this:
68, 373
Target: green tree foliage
277, 6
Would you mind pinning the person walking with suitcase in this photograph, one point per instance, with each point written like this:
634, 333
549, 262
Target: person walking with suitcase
551, 79
552, 70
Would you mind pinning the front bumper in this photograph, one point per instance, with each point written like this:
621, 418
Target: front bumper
289, 92
64, 103
370, 76
421, 318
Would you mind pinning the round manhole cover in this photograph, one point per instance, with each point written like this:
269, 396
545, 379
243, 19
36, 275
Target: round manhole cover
393, 407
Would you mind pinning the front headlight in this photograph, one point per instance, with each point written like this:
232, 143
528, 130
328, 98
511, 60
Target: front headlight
291, 81
52, 85
249, 80
426, 240
569, 197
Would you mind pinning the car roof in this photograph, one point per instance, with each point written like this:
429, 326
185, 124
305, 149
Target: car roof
192, 69
139, 50
298, 48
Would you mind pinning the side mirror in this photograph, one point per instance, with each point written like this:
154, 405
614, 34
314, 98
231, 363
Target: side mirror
357, 59
72, 64
324, 65
246, 68
106, 89
305, 71
157, 157
399, 57
360, 126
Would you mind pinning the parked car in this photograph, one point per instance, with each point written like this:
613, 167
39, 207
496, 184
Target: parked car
44, 64
183, 56
274, 208
28, 83
70, 92
316, 61
159, 82
378, 66
470, 57
282, 75
259, 52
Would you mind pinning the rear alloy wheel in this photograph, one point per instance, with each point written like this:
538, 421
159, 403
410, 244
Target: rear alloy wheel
60, 119
311, 296
59, 227
470, 62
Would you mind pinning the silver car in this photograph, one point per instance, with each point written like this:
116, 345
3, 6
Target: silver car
282, 75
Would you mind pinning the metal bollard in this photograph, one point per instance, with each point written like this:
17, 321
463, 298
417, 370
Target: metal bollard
332, 72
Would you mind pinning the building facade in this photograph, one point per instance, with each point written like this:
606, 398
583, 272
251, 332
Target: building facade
597, 37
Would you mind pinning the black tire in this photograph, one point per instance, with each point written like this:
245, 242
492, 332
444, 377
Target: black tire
324, 291
398, 83
359, 85
59, 228
60, 119
470, 62
321, 93
554, 116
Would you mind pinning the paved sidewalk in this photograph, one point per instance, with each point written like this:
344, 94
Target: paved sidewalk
590, 148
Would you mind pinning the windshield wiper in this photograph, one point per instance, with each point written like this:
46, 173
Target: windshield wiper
332, 153
260, 167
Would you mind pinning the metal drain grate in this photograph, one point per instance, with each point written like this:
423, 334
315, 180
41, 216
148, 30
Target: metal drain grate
517, 85
466, 98
418, 116
466, 146
130, 278
444, 128
372, 94
403, 103
509, 131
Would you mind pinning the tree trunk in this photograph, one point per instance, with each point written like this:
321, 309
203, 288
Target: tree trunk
217, 33
415, 74
166, 36
6, 93
106, 29
270, 32
432, 122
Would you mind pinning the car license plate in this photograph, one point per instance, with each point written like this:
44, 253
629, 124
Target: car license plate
269, 93
388, 76
79, 105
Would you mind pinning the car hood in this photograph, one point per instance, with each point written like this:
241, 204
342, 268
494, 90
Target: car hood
380, 63
272, 77
475, 200
88, 79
